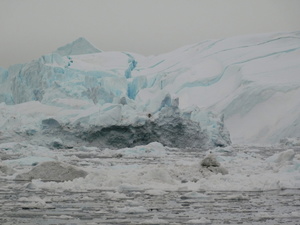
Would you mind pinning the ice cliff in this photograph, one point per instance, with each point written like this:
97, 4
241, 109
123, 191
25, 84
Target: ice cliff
181, 99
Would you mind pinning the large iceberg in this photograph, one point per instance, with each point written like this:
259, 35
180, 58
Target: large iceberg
91, 98
181, 99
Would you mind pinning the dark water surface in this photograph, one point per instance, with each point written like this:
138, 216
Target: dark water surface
95, 207
20, 204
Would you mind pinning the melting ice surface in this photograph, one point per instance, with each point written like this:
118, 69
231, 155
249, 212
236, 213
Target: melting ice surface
140, 123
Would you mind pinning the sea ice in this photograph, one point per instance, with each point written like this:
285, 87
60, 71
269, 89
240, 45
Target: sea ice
282, 157
202, 220
210, 163
6, 170
53, 171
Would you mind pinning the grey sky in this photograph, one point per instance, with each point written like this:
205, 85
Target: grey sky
31, 28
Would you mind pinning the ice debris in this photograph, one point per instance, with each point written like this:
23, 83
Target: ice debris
34, 202
202, 220
290, 142
282, 158
155, 220
6, 170
52, 171
210, 163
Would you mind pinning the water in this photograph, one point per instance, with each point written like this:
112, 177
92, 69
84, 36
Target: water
96, 207
20, 203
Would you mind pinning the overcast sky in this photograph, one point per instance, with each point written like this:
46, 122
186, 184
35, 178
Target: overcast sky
31, 28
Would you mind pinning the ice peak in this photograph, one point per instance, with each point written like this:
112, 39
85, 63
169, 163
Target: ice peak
77, 47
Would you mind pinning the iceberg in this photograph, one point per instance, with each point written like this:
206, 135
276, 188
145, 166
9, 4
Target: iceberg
80, 128
245, 85
77, 47
53, 171
110, 126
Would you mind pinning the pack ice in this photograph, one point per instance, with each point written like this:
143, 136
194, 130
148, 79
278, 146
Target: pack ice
180, 99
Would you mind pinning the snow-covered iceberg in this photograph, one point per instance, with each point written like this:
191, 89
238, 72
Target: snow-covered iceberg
94, 102
250, 84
